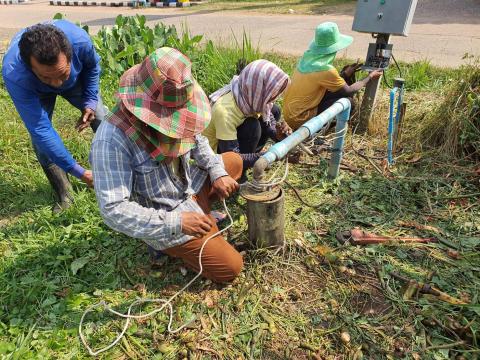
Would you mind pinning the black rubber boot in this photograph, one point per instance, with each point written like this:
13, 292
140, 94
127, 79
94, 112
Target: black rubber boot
61, 186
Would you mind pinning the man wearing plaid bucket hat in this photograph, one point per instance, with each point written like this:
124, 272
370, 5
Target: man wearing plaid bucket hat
316, 84
155, 174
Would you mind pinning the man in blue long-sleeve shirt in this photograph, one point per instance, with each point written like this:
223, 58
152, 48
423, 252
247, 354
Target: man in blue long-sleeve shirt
43, 61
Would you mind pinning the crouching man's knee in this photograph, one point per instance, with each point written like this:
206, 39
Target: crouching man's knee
227, 271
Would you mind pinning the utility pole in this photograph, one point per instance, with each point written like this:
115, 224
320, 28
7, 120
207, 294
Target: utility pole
370, 95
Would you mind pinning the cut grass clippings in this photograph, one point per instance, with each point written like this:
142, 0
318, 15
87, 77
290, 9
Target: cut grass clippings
315, 299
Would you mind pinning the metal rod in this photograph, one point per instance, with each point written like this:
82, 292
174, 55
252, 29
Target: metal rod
370, 95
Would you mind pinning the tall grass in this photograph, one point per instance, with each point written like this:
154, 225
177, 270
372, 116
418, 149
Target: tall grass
214, 66
453, 126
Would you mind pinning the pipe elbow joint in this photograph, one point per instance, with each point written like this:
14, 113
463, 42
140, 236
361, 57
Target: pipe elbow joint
259, 168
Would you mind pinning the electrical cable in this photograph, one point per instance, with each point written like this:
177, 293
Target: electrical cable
358, 152
263, 185
398, 67
326, 137
384, 78
166, 303
297, 193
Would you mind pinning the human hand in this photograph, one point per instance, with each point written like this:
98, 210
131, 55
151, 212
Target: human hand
196, 224
87, 178
349, 70
375, 74
282, 130
88, 115
225, 186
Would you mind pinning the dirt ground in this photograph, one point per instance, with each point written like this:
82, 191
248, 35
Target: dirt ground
442, 31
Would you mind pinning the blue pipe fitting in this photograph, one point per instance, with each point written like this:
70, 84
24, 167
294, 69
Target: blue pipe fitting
394, 116
337, 151
340, 109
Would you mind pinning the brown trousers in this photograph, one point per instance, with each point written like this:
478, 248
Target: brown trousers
221, 262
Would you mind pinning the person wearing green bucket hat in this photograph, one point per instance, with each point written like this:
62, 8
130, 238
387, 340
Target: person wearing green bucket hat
155, 175
316, 84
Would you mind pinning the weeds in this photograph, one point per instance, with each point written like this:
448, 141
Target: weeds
215, 66
454, 124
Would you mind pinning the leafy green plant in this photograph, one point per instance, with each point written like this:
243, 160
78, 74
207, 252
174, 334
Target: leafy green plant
60, 16
186, 43
418, 75
130, 40
213, 68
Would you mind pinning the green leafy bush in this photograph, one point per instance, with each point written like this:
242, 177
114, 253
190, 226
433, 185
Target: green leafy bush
130, 40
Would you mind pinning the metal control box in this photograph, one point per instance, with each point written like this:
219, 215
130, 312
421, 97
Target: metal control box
384, 16
378, 56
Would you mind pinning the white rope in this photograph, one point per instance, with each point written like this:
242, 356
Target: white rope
326, 138
262, 185
166, 303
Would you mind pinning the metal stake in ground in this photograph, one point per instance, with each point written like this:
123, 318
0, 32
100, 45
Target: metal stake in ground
370, 95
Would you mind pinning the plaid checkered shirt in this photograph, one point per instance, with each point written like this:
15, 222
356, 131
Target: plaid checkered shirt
141, 197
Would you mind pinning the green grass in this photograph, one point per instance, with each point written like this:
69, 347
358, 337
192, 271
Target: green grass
454, 126
290, 305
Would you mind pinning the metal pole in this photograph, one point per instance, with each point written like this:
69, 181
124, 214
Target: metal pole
370, 95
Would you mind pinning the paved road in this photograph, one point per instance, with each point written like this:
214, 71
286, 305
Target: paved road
443, 30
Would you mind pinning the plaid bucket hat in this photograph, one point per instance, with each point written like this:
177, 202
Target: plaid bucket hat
162, 93
160, 106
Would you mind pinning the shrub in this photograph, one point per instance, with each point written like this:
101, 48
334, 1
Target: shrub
454, 125
130, 40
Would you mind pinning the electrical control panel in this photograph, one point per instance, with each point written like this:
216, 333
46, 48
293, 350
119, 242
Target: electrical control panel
378, 56
384, 16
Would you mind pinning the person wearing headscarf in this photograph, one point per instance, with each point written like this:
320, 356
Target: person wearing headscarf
155, 175
315, 83
244, 116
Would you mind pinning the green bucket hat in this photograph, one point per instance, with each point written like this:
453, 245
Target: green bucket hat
321, 53
328, 39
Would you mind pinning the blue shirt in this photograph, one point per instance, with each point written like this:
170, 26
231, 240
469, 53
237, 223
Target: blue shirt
25, 88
